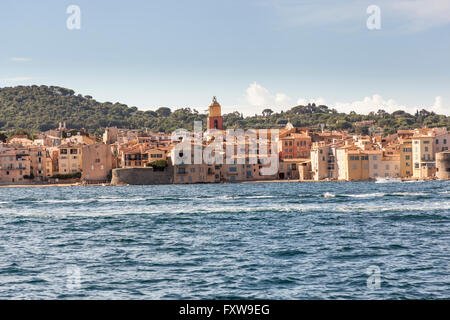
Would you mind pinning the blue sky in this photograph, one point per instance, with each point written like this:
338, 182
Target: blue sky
250, 54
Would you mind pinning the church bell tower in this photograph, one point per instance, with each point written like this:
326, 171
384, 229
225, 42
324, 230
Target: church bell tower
215, 120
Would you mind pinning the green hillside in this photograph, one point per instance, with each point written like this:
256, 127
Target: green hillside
39, 108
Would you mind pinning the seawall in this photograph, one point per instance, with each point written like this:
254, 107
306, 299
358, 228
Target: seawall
141, 176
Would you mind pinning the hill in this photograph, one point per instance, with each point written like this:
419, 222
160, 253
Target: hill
39, 108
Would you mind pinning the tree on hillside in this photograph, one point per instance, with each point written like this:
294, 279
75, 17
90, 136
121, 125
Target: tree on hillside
267, 112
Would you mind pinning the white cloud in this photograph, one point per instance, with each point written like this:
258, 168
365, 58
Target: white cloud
19, 59
439, 106
258, 96
376, 102
373, 103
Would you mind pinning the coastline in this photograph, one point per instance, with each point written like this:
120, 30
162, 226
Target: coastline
48, 185
78, 184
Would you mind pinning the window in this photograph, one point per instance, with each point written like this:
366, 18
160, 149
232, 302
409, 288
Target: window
387, 167
375, 166
63, 151
192, 170
437, 141
233, 169
374, 157
445, 141
426, 149
407, 157
355, 167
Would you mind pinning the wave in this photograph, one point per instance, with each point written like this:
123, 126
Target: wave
407, 194
365, 195
329, 195
388, 180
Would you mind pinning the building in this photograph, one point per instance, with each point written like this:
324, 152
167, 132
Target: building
352, 164
38, 163
442, 139
423, 156
295, 145
110, 135
323, 161
14, 166
406, 158
69, 158
383, 165
96, 162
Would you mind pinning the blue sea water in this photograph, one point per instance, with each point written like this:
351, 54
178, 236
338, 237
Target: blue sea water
226, 241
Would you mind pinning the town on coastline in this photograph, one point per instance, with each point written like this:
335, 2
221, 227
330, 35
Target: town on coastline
126, 156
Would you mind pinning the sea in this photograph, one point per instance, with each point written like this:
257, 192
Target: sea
331, 240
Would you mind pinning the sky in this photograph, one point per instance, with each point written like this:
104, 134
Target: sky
251, 54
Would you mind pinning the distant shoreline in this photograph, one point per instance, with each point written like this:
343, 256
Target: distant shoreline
256, 181
47, 185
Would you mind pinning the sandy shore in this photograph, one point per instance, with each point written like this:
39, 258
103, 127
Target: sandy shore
48, 185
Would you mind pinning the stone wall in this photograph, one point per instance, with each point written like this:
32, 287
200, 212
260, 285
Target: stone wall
443, 165
141, 176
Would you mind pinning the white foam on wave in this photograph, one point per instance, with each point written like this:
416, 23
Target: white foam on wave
413, 194
366, 195
388, 180
329, 195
